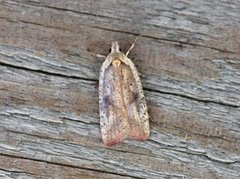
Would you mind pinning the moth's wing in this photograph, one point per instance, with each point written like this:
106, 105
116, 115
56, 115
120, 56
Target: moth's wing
113, 114
135, 102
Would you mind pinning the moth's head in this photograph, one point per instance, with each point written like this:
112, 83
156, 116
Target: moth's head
115, 47
116, 55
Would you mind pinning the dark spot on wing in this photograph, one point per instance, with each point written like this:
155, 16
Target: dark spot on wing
106, 100
135, 96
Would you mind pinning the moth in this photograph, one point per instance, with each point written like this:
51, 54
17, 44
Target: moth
122, 105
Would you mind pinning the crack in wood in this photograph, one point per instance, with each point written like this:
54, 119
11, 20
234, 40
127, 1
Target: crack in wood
121, 31
148, 89
203, 154
193, 98
68, 165
16, 172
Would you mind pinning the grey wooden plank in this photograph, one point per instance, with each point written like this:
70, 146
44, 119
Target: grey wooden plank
186, 135
189, 59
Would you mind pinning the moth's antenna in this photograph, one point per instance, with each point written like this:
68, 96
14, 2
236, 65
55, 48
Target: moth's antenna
133, 44
98, 55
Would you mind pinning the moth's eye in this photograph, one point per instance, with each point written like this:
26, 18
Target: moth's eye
109, 50
120, 49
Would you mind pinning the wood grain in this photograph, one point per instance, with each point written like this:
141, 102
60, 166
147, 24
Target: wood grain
189, 59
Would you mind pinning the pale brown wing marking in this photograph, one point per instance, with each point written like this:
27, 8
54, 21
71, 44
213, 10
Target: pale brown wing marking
137, 110
113, 118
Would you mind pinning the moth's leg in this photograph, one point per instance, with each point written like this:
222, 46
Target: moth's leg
98, 55
140, 74
132, 46
150, 117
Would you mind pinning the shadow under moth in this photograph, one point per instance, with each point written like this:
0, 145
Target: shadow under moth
122, 105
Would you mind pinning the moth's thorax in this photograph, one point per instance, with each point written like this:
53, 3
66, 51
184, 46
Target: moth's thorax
116, 58
116, 63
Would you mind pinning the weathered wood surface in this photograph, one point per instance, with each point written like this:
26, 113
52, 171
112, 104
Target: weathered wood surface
189, 60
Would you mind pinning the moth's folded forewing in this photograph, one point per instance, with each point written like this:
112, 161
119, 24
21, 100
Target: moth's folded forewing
135, 102
113, 114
